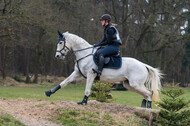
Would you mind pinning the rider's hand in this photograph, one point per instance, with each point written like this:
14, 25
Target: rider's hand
95, 45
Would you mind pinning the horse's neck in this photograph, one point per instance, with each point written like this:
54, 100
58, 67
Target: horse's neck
77, 43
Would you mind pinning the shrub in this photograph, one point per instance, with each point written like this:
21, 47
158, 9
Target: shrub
17, 78
174, 110
101, 91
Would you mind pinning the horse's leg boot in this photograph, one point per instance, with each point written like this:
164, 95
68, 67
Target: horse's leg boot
84, 101
48, 93
53, 90
149, 104
143, 105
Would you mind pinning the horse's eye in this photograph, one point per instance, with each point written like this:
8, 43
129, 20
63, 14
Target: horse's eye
60, 43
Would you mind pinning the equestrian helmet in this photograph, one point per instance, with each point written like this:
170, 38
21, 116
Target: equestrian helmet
105, 17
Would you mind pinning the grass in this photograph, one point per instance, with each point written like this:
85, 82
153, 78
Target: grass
7, 120
88, 118
69, 93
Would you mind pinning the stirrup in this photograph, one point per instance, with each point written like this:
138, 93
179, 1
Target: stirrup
98, 75
97, 71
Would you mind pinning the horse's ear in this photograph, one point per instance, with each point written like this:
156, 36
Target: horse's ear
60, 34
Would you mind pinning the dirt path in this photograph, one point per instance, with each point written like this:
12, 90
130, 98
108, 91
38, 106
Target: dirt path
30, 112
38, 112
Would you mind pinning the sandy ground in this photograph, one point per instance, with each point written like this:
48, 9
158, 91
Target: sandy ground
38, 112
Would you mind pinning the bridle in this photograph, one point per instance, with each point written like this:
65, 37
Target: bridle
65, 47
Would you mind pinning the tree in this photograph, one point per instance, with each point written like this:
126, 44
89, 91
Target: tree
150, 31
173, 112
186, 57
101, 91
10, 12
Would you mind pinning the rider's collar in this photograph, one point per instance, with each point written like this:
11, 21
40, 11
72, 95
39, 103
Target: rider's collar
107, 26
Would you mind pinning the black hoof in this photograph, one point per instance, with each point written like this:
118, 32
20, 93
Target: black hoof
48, 93
82, 103
149, 104
143, 105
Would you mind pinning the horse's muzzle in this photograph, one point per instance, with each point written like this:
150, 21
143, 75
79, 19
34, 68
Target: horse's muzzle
57, 56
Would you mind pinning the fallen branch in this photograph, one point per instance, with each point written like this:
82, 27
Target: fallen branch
148, 114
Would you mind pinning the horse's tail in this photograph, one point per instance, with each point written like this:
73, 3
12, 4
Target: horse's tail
153, 81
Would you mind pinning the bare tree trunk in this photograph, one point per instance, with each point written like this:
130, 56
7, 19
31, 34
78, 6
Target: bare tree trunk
39, 52
124, 33
4, 61
27, 57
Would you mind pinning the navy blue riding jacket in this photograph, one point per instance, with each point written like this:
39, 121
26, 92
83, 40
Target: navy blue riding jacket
111, 41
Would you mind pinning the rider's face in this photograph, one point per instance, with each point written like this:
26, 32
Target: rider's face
103, 22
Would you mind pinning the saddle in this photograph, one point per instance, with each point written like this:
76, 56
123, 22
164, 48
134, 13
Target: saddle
112, 62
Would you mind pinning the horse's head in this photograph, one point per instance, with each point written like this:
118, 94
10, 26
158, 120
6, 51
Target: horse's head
62, 46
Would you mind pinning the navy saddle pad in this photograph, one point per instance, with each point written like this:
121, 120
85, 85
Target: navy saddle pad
113, 62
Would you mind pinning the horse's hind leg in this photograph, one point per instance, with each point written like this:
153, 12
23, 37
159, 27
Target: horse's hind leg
141, 89
126, 85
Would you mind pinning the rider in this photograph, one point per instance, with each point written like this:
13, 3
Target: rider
111, 41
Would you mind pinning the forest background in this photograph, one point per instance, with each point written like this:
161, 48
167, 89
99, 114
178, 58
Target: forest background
155, 32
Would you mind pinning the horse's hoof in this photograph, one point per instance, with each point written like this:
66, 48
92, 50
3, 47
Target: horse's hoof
48, 93
82, 103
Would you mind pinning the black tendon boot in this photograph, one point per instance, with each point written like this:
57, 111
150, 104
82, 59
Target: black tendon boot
84, 101
149, 104
100, 65
143, 105
53, 90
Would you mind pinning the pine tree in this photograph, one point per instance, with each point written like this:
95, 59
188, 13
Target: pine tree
101, 91
174, 110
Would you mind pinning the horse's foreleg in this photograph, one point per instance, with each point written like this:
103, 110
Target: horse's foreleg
68, 80
89, 81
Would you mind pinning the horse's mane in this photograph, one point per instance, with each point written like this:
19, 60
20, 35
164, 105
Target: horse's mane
75, 38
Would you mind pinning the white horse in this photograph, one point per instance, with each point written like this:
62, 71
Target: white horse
133, 73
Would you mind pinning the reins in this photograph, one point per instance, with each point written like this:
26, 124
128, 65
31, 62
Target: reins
82, 49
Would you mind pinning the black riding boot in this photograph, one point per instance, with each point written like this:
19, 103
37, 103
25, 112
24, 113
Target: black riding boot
100, 65
53, 90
